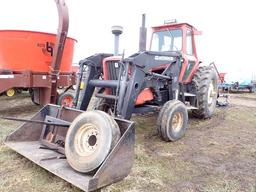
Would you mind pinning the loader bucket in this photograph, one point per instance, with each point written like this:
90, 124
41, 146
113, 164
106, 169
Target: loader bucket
27, 141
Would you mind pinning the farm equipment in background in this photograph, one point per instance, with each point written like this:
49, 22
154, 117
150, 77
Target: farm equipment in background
246, 85
37, 61
222, 99
235, 86
92, 149
11, 92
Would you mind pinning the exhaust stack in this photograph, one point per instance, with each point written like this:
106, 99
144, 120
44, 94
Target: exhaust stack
143, 34
117, 31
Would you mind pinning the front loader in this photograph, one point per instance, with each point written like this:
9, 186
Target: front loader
92, 149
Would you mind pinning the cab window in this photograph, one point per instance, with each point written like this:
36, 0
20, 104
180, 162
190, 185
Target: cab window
168, 40
189, 47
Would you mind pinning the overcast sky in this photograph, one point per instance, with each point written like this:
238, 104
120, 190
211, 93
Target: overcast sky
228, 39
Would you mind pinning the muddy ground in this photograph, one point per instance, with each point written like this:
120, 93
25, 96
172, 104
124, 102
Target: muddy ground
217, 154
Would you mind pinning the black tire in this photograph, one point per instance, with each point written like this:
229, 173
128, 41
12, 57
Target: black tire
32, 96
66, 100
103, 105
89, 139
206, 82
19, 91
166, 126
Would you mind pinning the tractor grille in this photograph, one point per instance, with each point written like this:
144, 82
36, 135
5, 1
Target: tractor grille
113, 70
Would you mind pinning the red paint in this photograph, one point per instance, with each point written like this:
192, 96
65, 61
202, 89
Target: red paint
32, 51
222, 77
67, 101
105, 69
105, 65
160, 67
144, 96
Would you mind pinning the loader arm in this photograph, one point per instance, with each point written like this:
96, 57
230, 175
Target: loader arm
136, 75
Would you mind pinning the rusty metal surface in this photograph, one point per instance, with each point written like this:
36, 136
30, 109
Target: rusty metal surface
119, 162
28, 79
59, 167
117, 165
59, 46
48, 122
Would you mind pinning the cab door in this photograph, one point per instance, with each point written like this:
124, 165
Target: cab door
190, 62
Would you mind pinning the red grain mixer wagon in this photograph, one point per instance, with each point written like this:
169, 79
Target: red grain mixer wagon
32, 51
38, 61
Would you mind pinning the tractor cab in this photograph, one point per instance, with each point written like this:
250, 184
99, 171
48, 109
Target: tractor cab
177, 37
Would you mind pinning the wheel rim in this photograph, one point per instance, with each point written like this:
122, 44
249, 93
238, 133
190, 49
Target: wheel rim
10, 92
67, 101
177, 121
211, 93
86, 140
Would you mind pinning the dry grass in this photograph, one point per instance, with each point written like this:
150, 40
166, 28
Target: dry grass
216, 155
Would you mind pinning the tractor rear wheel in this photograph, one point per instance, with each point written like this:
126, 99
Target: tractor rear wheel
206, 84
89, 139
172, 121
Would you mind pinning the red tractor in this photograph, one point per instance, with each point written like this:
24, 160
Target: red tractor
168, 77
99, 144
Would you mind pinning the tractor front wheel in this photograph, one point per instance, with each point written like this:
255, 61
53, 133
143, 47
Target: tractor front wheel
89, 140
172, 121
206, 85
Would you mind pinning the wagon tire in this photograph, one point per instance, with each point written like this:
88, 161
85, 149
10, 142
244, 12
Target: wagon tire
66, 99
32, 96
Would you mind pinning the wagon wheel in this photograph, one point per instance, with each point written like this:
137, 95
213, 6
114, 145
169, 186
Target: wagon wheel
66, 100
10, 92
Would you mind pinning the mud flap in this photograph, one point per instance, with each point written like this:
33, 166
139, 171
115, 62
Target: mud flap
26, 140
